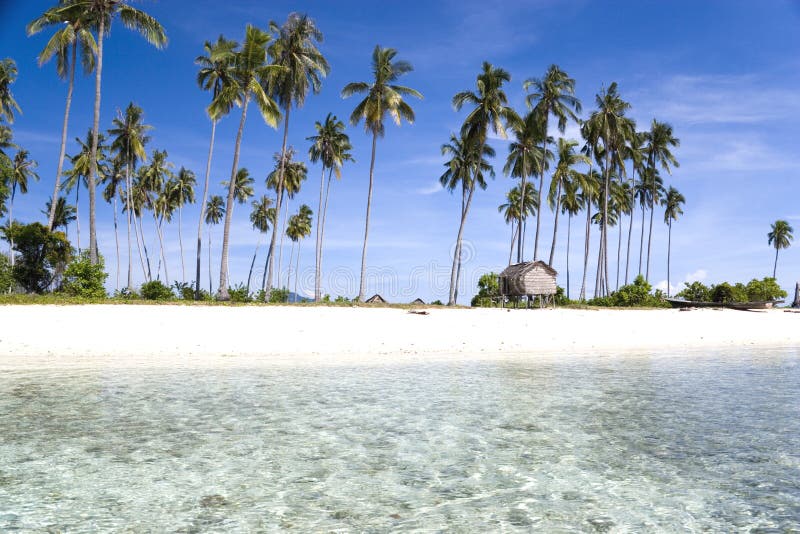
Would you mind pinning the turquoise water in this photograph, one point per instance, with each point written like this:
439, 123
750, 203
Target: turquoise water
709, 442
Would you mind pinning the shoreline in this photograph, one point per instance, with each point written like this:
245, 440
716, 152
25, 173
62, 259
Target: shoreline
51, 336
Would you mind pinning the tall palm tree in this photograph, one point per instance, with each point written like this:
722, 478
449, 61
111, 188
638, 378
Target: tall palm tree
23, 169
153, 180
129, 137
648, 192
383, 97
465, 169
261, 218
526, 158
672, 210
65, 213
302, 68
635, 153
113, 180
78, 175
182, 192
780, 236
659, 140
331, 147
250, 77
70, 35
553, 94
215, 75
511, 211
590, 185
299, 227
571, 204
8, 105
611, 127
215, 211
103, 13
563, 174
620, 204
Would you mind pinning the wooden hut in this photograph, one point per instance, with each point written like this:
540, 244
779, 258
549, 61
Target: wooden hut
376, 299
528, 279
418, 302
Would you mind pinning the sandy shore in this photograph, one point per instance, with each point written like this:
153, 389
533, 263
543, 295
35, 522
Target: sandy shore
215, 335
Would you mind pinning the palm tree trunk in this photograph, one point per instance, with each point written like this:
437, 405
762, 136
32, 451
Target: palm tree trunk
317, 272
586, 249
203, 210
128, 212
95, 134
270, 253
569, 232
775, 267
555, 225
116, 237
289, 268
630, 226
363, 285
297, 270
222, 292
521, 210
669, 251
264, 274
149, 273
280, 245
641, 243
324, 217
180, 238
210, 287
649, 239
514, 230
11, 223
253, 263
57, 187
78, 214
163, 253
605, 222
541, 184
454, 278
459, 256
619, 249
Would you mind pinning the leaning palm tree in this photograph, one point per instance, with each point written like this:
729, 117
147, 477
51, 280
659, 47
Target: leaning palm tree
250, 76
70, 35
8, 105
466, 168
65, 213
383, 98
129, 137
672, 204
331, 147
511, 211
215, 75
23, 169
659, 140
182, 192
215, 211
780, 236
527, 157
103, 13
261, 218
302, 67
299, 227
563, 174
553, 94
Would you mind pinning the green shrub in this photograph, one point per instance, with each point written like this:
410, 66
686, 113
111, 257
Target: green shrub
126, 294
156, 290
183, 290
636, 294
82, 279
341, 300
239, 294
437, 302
764, 290
6, 275
279, 295
488, 288
695, 291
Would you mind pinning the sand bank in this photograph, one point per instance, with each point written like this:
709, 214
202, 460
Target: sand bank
213, 335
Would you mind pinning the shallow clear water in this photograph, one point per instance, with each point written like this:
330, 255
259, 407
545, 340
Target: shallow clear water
646, 443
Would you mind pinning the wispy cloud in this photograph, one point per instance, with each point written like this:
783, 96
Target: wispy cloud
431, 189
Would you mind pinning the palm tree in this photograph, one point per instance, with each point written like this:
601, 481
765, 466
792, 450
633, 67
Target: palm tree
511, 211
5, 141
331, 146
648, 192
780, 236
553, 94
571, 204
129, 135
466, 168
658, 142
609, 125
23, 169
65, 213
261, 218
302, 67
589, 195
672, 203
250, 75
635, 153
79, 173
8, 75
215, 75
382, 97
102, 13
112, 190
563, 174
215, 211
182, 191
153, 180
299, 227
525, 159
69, 36
620, 204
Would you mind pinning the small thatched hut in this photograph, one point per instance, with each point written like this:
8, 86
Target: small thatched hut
376, 299
529, 279
418, 302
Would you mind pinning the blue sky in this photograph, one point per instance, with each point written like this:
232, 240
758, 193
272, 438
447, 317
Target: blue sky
724, 73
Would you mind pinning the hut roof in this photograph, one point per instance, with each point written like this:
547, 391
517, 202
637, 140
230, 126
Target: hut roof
376, 298
418, 301
519, 269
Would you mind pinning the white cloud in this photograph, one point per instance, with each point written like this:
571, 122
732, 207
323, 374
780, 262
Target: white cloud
430, 189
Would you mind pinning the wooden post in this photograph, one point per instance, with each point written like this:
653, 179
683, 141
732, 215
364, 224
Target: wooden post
796, 303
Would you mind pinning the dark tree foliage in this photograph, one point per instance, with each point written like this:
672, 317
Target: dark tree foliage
41, 256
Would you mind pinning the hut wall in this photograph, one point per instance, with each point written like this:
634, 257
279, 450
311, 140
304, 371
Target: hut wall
539, 282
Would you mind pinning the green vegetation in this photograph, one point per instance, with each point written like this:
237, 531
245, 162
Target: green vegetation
156, 290
41, 256
755, 291
488, 289
84, 279
636, 295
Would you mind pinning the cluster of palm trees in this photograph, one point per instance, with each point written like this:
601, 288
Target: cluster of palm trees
613, 168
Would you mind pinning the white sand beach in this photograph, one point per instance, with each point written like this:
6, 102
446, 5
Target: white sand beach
119, 335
